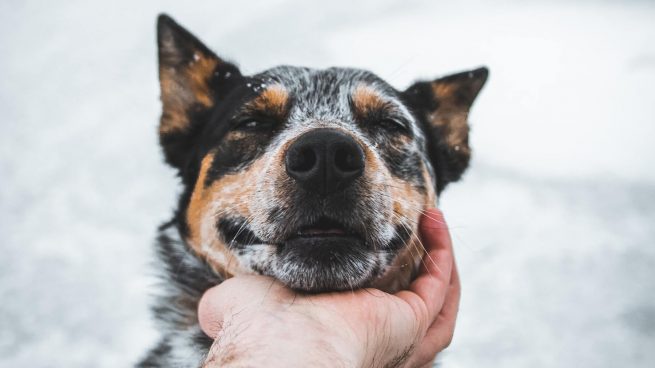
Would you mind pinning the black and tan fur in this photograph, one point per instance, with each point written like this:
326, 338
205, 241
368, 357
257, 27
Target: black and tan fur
242, 212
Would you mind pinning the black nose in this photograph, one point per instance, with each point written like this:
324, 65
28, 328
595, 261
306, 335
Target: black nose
324, 161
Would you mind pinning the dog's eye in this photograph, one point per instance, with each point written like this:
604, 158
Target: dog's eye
254, 125
394, 125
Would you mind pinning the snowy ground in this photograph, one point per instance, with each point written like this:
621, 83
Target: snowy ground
553, 224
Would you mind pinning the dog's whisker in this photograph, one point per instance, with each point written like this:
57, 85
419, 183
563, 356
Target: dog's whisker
408, 244
414, 245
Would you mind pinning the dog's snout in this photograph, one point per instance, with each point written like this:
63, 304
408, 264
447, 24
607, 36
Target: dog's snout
324, 161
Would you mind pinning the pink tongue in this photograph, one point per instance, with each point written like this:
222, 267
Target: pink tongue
316, 231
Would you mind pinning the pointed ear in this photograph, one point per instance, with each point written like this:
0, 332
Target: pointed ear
443, 105
191, 78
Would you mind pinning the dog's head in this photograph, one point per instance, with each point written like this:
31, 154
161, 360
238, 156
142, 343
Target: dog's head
315, 177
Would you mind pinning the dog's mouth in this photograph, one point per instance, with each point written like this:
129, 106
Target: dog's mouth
325, 228
325, 254
318, 254
322, 236
238, 232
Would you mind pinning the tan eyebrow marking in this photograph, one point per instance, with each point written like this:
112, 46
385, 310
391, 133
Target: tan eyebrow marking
274, 100
366, 100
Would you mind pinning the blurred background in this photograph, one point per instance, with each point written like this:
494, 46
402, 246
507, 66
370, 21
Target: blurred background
553, 224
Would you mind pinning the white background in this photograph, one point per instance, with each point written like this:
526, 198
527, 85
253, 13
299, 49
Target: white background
553, 224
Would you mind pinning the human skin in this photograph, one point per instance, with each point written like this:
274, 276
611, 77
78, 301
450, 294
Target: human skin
257, 321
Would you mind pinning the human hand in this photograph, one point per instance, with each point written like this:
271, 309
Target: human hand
257, 321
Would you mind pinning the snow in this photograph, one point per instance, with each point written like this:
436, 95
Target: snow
553, 224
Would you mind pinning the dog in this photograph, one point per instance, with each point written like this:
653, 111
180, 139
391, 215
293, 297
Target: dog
314, 177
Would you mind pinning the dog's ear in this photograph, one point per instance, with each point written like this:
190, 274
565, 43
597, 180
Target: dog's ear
443, 105
192, 79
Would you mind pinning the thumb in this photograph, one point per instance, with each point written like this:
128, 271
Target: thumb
235, 296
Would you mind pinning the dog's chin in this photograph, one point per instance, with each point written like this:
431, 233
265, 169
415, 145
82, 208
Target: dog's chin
324, 263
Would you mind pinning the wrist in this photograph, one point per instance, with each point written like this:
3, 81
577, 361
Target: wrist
283, 339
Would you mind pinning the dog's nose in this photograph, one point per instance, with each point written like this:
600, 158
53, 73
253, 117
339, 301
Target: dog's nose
324, 161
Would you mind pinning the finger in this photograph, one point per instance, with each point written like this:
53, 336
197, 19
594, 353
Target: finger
434, 233
236, 295
432, 282
440, 333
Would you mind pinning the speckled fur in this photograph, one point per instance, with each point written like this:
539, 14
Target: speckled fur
239, 204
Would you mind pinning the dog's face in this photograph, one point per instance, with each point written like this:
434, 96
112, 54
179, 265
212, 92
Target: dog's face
315, 177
